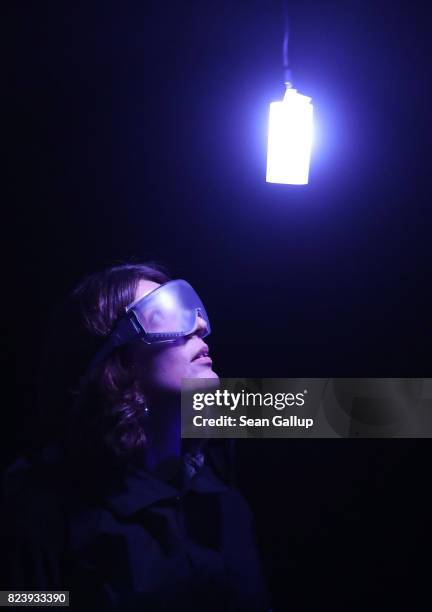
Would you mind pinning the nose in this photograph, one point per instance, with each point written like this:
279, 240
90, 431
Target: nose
200, 326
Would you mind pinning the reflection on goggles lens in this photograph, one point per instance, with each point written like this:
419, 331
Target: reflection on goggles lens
171, 308
157, 321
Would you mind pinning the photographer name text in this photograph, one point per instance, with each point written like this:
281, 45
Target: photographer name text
243, 421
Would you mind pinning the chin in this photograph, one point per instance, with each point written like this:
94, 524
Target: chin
208, 373
204, 379
203, 372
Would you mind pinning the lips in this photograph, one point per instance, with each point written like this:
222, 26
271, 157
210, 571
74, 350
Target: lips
202, 352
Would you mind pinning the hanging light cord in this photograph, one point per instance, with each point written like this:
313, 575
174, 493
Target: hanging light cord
287, 70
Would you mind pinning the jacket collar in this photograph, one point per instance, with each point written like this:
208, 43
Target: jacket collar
138, 490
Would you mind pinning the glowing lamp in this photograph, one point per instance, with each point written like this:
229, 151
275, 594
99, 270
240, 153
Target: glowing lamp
290, 139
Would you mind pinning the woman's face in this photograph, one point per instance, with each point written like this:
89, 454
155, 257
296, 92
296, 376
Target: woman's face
162, 366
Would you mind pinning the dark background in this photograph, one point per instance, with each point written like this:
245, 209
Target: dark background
137, 130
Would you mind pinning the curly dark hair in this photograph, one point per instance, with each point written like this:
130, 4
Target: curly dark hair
110, 422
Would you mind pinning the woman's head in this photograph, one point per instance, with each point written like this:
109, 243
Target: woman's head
161, 367
133, 377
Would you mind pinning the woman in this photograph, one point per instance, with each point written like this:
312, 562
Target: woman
119, 510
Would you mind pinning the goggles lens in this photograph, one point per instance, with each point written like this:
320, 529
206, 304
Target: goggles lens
169, 311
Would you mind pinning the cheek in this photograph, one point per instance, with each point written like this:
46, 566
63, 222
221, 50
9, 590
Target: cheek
168, 369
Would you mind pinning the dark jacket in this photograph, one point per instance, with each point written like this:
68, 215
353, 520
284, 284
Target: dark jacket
138, 544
